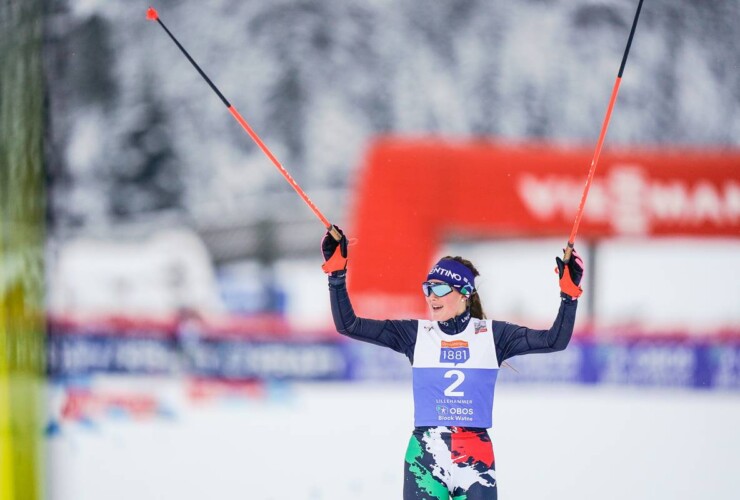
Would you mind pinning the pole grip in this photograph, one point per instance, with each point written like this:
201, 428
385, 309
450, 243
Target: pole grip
568, 252
334, 233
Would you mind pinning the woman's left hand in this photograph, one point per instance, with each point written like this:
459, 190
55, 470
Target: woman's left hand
571, 274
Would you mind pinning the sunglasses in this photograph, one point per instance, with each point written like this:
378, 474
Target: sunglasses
442, 289
438, 289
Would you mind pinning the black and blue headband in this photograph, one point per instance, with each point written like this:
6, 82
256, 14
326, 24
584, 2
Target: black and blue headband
453, 273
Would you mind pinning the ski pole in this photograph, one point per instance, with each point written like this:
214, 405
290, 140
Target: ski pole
153, 15
600, 142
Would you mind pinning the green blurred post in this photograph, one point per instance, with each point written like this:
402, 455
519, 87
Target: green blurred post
22, 233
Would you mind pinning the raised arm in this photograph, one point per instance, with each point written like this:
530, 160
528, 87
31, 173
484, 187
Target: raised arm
399, 335
513, 340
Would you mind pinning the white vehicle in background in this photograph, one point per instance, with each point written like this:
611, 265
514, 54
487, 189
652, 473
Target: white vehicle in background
156, 277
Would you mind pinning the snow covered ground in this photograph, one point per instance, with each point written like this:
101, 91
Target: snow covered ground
347, 441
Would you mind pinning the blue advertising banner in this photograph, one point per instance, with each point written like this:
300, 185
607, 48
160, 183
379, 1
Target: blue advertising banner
270, 360
639, 362
659, 363
71, 355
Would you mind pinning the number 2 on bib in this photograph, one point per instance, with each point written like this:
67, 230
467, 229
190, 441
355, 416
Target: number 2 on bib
459, 378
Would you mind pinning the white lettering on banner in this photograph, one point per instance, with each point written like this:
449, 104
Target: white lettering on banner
280, 360
728, 367
654, 365
627, 190
631, 202
732, 202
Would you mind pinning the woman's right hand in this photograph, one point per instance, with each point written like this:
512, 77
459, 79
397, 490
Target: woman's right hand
335, 252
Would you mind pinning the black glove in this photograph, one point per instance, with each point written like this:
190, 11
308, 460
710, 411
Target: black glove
571, 275
335, 252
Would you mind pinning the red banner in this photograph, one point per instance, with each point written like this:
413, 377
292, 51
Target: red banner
414, 194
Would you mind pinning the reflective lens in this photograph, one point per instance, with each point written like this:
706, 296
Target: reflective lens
438, 289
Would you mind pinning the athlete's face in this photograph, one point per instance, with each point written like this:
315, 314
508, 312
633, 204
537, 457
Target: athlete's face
446, 307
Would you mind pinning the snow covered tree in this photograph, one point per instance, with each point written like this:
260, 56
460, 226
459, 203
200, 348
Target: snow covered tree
145, 178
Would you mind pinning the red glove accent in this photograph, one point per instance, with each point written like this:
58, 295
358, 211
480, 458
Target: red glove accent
335, 252
336, 263
571, 274
567, 286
